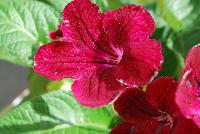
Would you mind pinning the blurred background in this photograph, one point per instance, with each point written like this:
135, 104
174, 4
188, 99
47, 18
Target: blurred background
13, 80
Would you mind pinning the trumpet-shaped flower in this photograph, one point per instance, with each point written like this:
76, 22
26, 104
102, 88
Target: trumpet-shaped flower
153, 111
102, 51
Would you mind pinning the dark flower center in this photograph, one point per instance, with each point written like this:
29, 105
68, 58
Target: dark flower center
165, 119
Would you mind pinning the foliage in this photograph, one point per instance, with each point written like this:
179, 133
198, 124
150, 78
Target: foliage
24, 26
57, 112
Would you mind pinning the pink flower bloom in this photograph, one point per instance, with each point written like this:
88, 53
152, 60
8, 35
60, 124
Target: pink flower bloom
102, 51
188, 91
153, 111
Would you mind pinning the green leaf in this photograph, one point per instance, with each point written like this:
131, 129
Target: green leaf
39, 85
57, 112
141, 2
165, 11
60, 4
103, 4
179, 14
57, 4
189, 36
24, 26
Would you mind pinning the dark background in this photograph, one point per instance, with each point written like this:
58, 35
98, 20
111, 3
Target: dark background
13, 80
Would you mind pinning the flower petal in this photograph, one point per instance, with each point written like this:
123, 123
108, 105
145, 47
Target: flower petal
58, 60
123, 128
188, 91
187, 98
192, 61
140, 63
141, 127
96, 90
186, 126
82, 23
161, 93
127, 24
132, 105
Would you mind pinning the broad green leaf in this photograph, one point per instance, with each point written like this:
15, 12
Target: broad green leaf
165, 11
24, 25
60, 4
189, 36
179, 14
141, 2
103, 4
57, 4
57, 113
189, 14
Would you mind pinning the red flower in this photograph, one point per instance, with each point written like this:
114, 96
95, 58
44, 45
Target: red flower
188, 91
153, 111
101, 51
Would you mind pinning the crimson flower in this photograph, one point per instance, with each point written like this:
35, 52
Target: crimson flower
102, 51
153, 111
188, 91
